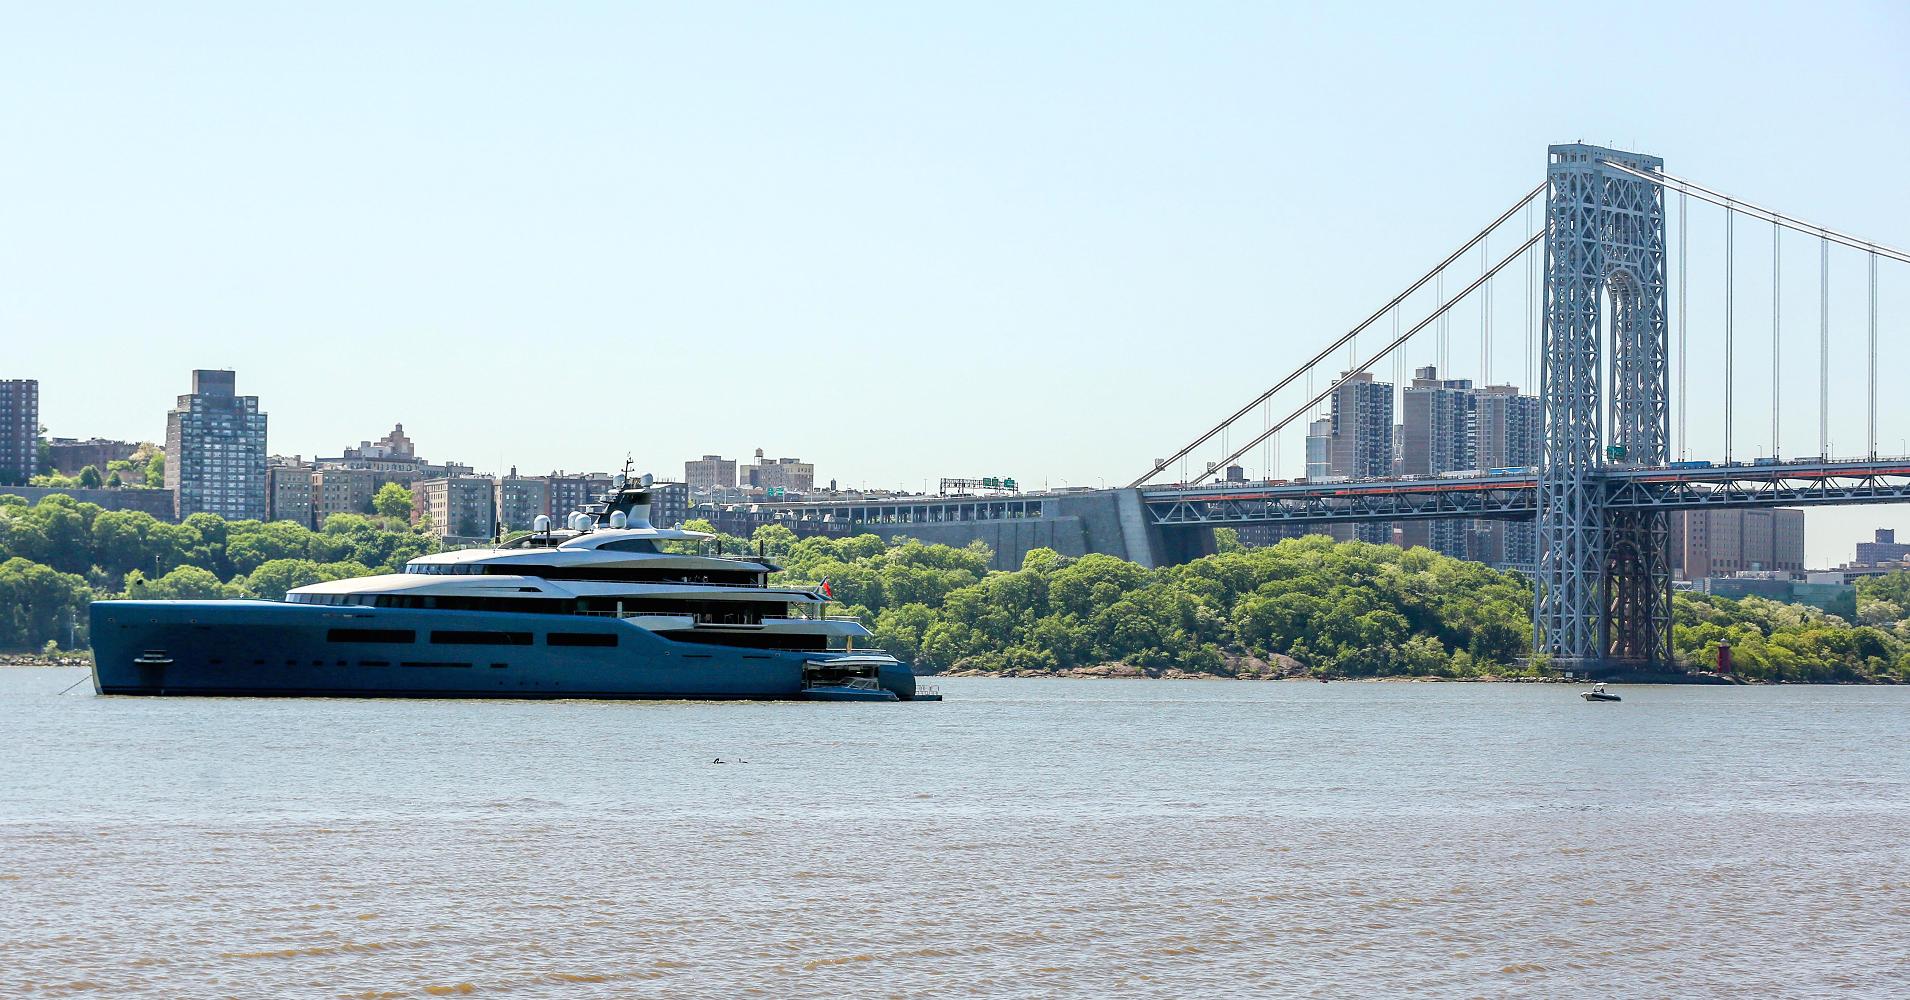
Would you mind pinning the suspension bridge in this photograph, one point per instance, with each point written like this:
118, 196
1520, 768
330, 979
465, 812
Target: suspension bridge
1613, 452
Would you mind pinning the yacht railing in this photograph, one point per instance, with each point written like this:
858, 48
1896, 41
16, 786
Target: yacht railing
682, 583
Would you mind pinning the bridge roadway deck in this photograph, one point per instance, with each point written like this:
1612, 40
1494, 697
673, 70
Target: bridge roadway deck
1510, 497
1515, 497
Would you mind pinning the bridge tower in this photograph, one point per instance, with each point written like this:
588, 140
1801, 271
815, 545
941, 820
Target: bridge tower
1604, 577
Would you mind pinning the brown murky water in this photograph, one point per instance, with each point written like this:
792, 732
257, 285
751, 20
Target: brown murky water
1023, 838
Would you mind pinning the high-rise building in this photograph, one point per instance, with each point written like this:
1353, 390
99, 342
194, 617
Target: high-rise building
461, 508
521, 500
1707, 543
1361, 422
1360, 442
573, 493
1509, 433
19, 430
1508, 438
1319, 448
215, 450
288, 489
1436, 425
791, 474
708, 473
342, 491
1437, 434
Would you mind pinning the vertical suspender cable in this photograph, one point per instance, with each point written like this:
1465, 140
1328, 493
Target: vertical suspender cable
1730, 309
1483, 374
1684, 443
1873, 355
1399, 369
1531, 310
1777, 328
1266, 454
1440, 347
1823, 348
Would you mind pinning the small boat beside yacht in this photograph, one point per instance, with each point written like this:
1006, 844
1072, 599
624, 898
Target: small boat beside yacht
1598, 693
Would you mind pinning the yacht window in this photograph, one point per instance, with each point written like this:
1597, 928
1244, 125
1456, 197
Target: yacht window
580, 639
371, 635
629, 545
481, 638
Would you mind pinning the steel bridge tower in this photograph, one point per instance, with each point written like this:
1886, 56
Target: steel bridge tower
1604, 576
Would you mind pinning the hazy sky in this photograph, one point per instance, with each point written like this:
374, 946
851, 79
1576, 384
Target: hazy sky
1040, 240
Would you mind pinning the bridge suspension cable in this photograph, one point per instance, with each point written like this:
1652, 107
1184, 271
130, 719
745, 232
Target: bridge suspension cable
1485, 322
1395, 344
1823, 348
1684, 441
1873, 355
1531, 310
1437, 270
1739, 205
1730, 313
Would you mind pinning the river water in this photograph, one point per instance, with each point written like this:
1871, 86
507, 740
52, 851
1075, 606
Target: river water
1023, 838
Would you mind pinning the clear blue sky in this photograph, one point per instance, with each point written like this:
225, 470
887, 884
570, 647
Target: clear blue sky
1048, 241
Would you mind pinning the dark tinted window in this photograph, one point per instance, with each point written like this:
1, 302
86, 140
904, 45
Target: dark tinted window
629, 545
581, 639
371, 635
482, 638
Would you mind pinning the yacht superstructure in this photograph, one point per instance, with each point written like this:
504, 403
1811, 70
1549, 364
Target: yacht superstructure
608, 606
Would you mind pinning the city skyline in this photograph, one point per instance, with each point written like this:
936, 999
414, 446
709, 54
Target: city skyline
345, 483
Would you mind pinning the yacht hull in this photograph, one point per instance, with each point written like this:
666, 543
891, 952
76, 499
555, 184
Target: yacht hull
272, 649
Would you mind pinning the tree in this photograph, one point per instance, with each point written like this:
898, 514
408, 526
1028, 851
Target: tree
156, 469
250, 544
271, 580
37, 602
392, 501
187, 583
90, 478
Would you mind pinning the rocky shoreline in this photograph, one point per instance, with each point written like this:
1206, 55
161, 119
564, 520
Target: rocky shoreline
44, 660
1286, 668
1127, 671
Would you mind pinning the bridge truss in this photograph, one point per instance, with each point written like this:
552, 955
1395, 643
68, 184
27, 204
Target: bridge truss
1516, 497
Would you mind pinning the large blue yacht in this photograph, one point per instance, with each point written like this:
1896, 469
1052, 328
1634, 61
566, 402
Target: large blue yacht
604, 607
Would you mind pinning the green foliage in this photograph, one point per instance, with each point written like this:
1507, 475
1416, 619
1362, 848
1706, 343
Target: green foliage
392, 501
272, 579
186, 583
1334, 608
36, 601
1344, 609
156, 469
1789, 642
60, 554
